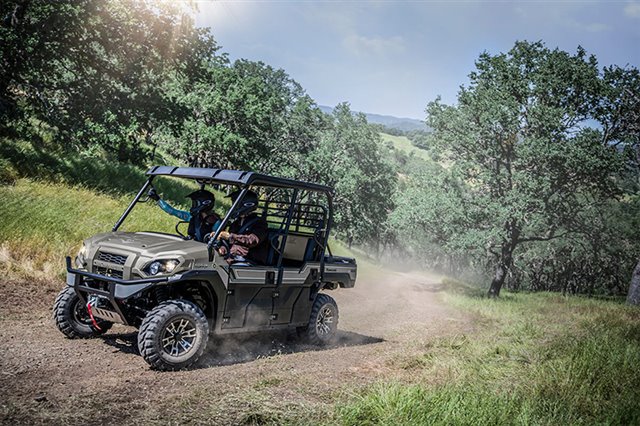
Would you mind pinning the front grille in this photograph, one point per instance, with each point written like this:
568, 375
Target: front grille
117, 259
108, 272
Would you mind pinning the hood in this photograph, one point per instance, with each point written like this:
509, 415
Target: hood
147, 244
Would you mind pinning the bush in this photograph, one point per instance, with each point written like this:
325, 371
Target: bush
8, 173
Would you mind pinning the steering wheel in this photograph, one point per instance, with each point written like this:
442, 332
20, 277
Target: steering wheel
216, 244
223, 243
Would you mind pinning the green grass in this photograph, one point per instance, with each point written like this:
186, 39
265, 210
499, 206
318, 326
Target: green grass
537, 359
402, 143
44, 222
51, 200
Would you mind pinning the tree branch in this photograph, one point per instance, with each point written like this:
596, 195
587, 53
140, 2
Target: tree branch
550, 236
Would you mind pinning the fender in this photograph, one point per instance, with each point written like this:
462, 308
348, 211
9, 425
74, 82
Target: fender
216, 287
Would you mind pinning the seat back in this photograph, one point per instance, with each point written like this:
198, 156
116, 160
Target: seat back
297, 250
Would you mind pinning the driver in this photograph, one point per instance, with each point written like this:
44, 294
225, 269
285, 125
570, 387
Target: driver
247, 234
201, 217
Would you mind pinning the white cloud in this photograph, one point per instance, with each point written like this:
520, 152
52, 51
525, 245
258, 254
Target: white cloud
632, 9
377, 46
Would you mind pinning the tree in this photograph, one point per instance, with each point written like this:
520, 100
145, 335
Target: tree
428, 218
521, 144
95, 71
247, 115
349, 158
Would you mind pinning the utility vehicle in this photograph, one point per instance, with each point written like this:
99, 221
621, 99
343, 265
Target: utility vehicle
178, 291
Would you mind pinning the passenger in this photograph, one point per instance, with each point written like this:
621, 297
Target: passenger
201, 217
247, 235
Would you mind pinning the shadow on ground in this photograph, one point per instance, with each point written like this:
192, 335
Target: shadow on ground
125, 342
247, 347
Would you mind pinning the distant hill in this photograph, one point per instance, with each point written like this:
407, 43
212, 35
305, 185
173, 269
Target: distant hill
404, 124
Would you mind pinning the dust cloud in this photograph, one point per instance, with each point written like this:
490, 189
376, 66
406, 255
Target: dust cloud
384, 305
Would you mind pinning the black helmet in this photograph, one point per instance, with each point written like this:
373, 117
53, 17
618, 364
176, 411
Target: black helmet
201, 201
249, 202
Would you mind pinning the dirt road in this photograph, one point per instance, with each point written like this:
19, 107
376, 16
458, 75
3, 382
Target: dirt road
268, 378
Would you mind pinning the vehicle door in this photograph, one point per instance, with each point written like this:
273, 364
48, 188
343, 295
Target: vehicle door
250, 293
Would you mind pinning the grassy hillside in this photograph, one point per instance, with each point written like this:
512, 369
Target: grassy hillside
24, 159
44, 222
402, 143
537, 359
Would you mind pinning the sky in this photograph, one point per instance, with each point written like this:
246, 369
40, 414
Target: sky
394, 57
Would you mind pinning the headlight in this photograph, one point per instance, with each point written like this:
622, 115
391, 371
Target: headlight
154, 268
162, 266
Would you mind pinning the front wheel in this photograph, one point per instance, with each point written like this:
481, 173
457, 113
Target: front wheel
323, 321
72, 318
173, 335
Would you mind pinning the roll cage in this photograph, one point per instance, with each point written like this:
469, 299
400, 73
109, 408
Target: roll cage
282, 214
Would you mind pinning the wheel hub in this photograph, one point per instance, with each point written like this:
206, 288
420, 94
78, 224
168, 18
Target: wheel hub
179, 337
325, 321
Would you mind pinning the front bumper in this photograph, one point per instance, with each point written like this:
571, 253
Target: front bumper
114, 290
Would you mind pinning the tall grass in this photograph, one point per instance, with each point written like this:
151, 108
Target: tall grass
538, 359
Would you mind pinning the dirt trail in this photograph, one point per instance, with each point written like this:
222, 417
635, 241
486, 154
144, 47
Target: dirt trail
46, 378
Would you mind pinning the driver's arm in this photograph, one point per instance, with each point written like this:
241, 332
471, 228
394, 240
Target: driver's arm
258, 234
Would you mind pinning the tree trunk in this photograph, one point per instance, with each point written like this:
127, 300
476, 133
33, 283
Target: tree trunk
633, 297
498, 280
504, 265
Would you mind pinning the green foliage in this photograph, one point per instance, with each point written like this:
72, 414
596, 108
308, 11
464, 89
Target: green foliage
133, 82
31, 161
543, 359
419, 138
595, 261
8, 174
525, 167
246, 115
95, 71
429, 216
381, 128
349, 158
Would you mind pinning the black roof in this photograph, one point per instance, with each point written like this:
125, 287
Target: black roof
234, 177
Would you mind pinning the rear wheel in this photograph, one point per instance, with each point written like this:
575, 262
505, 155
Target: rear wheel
323, 321
173, 335
72, 318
